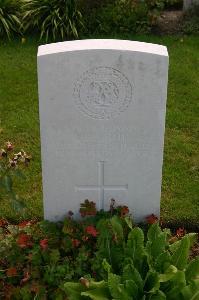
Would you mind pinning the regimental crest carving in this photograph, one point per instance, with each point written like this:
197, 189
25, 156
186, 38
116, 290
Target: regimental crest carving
102, 93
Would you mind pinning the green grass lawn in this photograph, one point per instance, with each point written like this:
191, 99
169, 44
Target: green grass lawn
20, 124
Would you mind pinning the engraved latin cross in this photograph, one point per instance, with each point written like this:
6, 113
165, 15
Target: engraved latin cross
101, 187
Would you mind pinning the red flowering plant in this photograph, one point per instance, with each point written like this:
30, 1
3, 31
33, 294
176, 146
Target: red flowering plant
37, 259
12, 271
91, 230
11, 165
151, 219
88, 208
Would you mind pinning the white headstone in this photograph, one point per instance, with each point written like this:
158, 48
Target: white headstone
102, 118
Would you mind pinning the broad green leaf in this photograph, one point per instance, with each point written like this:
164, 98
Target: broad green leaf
116, 289
97, 294
131, 288
157, 242
114, 285
106, 266
74, 290
169, 274
192, 271
135, 245
25, 293
192, 237
158, 296
152, 283
179, 279
177, 283
131, 273
54, 256
153, 232
157, 245
180, 255
174, 294
173, 247
191, 292
117, 227
162, 262
129, 222
97, 284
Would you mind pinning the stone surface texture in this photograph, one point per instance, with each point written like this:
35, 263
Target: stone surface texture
102, 118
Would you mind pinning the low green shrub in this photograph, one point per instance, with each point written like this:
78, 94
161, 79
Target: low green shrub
65, 19
118, 16
10, 18
101, 256
148, 268
123, 16
53, 19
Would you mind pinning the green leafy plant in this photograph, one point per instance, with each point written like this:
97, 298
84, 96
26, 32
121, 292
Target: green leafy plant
118, 16
10, 21
11, 166
151, 269
101, 256
52, 19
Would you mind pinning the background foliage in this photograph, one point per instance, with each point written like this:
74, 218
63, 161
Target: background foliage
118, 16
10, 18
56, 20
52, 19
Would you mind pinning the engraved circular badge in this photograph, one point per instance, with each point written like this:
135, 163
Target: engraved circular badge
103, 93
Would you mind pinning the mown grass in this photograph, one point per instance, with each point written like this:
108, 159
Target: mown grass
20, 124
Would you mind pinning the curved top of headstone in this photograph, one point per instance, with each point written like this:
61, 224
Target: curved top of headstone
102, 44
